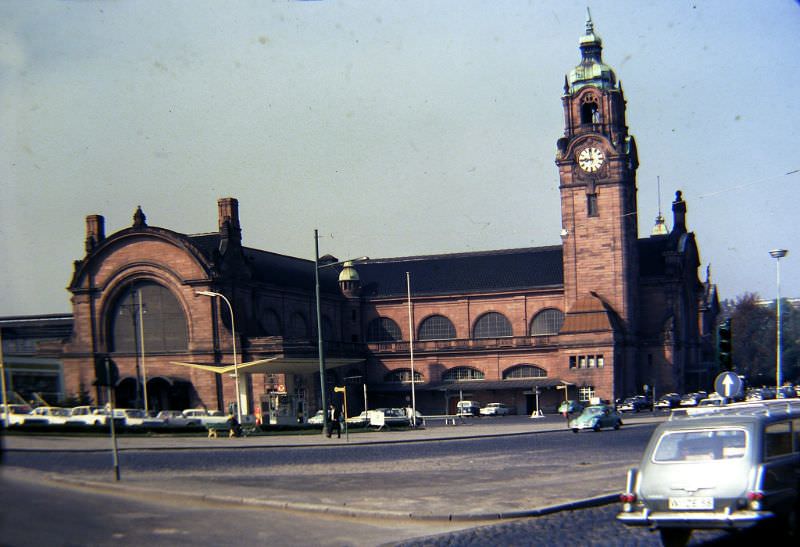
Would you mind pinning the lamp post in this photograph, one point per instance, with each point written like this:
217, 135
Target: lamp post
235, 362
777, 254
320, 349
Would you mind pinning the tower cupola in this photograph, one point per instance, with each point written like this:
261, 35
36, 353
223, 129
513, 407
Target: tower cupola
591, 70
349, 280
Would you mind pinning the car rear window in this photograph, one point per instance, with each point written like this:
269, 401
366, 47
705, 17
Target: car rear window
699, 445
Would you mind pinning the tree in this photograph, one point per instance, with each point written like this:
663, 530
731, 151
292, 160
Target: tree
753, 327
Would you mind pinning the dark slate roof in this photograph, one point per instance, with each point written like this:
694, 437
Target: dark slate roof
487, 271
273, 268
651, 256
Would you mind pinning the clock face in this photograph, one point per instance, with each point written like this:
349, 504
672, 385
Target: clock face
591, 159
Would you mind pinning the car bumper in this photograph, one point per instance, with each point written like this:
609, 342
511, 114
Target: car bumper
694, 519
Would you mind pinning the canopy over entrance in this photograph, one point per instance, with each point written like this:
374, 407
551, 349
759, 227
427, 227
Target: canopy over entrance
279, 364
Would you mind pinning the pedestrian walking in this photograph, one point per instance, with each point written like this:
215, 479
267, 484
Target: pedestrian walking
334, 416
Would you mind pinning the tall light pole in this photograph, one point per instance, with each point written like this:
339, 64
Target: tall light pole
777, 254
320, 348
235, 361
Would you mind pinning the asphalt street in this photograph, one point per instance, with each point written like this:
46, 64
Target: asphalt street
456, 487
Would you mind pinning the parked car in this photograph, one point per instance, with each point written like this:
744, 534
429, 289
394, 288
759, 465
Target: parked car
596, 417
468, 408
495, 409
175, 418
20, 415
55, 415
691, 399
668, 401
786, 392
636, 403
722, 468
205, 416
136, 417
570, 407
87, 415
361, 420
317, 419
391, 417
715, 401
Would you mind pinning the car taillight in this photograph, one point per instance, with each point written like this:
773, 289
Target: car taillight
755, 498
627, 497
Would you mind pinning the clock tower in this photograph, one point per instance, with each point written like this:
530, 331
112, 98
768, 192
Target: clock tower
597, 164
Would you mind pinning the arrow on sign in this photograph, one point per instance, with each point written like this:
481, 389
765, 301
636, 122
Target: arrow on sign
727, 382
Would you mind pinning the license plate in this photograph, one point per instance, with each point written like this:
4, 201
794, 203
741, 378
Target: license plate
691, 503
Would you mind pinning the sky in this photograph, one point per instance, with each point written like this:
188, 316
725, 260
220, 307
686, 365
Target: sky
396, 128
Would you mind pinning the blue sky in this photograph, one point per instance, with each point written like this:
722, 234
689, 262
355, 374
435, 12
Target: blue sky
395, 128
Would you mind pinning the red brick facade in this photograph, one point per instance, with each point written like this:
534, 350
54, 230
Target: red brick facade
607, 346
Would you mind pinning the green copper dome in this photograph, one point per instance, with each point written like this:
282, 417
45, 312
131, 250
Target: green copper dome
592, 70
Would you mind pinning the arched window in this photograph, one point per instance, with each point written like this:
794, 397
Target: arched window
270, 323
547, 322
492, 325
437, 327
402, 376
518, 372
590, 111
298, 327
163, 322
462, 374
383, 329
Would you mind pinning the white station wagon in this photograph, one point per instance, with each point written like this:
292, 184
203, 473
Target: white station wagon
717, 467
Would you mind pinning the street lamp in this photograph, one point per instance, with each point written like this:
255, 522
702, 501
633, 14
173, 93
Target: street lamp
235, 362
777, 254
320, 349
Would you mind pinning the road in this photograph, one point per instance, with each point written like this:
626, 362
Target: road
469, 476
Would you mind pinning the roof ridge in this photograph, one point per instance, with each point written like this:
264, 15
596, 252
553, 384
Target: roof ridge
462, 254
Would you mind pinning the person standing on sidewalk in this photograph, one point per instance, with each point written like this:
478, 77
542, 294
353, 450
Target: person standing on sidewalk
334, 415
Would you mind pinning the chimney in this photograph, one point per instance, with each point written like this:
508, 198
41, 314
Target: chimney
95, 231
679, 214
229, 210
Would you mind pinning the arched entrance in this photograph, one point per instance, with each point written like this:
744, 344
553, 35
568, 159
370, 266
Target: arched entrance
126, 393
164, 393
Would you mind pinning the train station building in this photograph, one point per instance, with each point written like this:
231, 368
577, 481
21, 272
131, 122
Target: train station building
603, 314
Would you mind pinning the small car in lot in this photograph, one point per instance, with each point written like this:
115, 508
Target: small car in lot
596, 417
569, 407
636, 403
136, 417
495, 409
726, 467
317, 419
715, 401
17, 414
468, 408
691, 399
175, 418
668, 401
55, 415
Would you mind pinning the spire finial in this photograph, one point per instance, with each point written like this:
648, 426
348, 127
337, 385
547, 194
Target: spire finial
589, 24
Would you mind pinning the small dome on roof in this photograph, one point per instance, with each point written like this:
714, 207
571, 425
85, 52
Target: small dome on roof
348, 273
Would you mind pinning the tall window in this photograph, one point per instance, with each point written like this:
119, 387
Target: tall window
383, 329
462, 374
524, 371
492, 325
591, 205
162, 317
298, 326
270, 323
437, 327
547, 322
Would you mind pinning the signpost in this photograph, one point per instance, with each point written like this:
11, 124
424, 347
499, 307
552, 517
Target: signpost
538, 412
728, 384
107, 375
